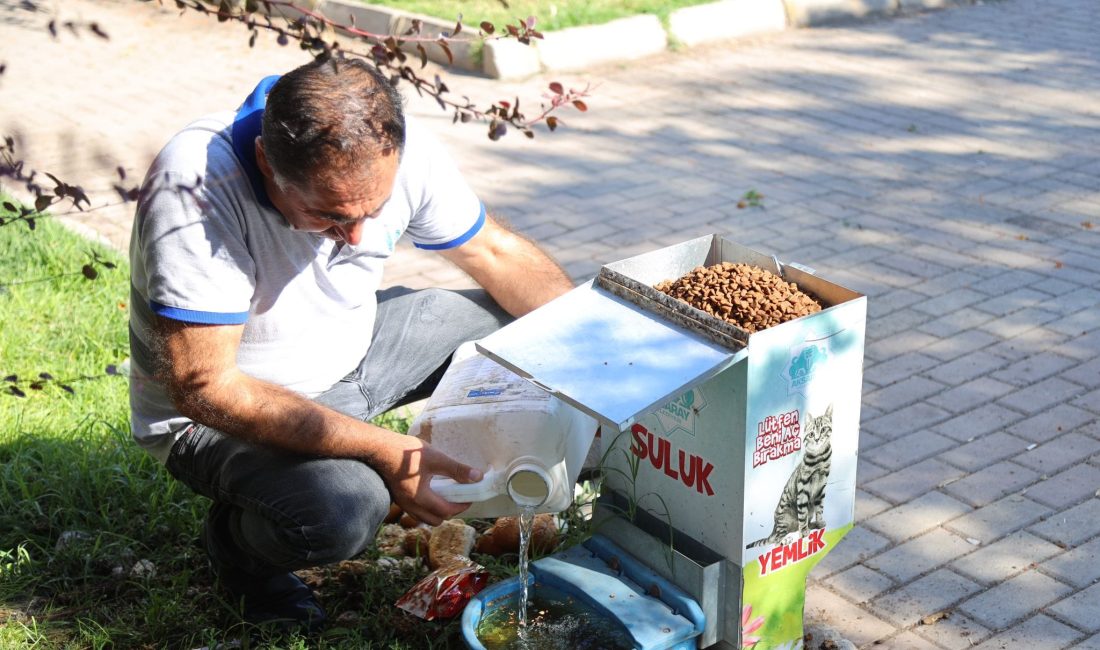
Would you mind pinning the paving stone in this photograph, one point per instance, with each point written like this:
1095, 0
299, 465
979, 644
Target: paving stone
985, 451
898, 368
1072, 526
910, 641
858, 583
1007, 303
1067, 487
966, 368
916, 516
902, 393
905, 421
1038, 340
909, 449
1005, 558
1086, 374
1081, 346
970, 394
1014, 599
924, 553
1051, 424
991, 522
991, 483
980, 421
1082, 609
949, 301
1043, 395
1035, 368
868, 471
1091, 643
891, 301
1079, 566
1065, 450
1080, 299
1018, 322
886, 348
955, 631
854, 623
964, 343
1039, 631
957, 321
914, 480
856, 546
1090, 401
932, 593
868, 505
1073, 324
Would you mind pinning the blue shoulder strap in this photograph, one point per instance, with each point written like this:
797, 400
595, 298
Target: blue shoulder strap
246, 126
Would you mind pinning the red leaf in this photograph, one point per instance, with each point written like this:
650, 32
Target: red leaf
581, 106
556, 88
447, 51
488, 27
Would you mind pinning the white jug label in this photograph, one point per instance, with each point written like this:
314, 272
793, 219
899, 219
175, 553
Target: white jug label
480, 380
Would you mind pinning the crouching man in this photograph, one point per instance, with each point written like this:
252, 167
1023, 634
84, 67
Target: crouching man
261, 343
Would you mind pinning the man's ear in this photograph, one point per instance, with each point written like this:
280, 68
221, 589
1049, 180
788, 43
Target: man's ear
261, 160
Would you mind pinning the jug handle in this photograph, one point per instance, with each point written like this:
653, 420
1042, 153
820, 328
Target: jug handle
456, 492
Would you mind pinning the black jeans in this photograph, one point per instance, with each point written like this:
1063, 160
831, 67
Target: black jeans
275, 511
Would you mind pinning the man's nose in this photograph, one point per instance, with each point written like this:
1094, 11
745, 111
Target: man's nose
351, 233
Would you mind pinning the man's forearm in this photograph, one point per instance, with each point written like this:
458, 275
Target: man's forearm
268, 414
515, 272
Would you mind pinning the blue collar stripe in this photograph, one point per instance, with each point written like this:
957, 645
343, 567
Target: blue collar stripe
246, 126
461, 239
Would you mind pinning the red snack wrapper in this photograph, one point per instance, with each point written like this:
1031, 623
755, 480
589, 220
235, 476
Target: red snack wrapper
443, 593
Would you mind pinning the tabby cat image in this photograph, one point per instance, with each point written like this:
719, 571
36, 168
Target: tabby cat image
803, 498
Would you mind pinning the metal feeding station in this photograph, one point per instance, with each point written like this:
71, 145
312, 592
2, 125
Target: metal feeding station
729, 456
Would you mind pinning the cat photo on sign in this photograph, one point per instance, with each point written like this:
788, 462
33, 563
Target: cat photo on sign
801, 503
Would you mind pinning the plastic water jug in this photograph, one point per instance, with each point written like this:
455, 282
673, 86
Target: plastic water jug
529, 444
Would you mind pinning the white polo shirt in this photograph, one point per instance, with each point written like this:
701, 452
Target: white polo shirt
208, 247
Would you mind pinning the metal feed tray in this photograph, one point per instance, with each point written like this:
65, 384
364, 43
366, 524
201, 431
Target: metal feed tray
633, 280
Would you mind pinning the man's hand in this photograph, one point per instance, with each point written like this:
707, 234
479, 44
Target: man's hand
408, 467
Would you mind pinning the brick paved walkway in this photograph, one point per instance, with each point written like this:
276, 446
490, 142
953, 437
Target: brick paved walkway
947, 165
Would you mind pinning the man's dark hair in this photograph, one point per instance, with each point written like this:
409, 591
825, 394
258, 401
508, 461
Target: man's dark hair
329, 117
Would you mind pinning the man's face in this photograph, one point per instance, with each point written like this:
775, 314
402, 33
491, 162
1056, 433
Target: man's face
337, 208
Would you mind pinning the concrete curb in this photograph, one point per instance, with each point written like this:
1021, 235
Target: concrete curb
727, 19
624, 39
386, 20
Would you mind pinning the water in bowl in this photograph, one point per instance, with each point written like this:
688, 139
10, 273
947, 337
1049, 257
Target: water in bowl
556, 621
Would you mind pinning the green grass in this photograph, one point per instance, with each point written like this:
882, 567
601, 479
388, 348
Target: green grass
68, 465
550, 15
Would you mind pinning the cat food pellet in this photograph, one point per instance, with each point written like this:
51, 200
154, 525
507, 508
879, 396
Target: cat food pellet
747, 296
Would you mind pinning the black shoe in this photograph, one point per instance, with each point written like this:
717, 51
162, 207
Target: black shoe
282, 601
